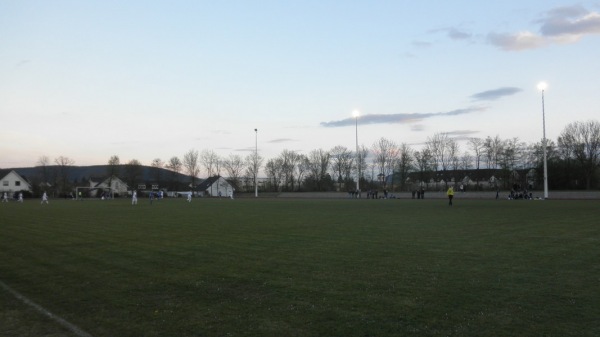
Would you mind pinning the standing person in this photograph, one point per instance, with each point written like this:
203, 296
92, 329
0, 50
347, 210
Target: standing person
450, 194
422, 193
4, 197
20, 197
189, 198
134, 198
44, 198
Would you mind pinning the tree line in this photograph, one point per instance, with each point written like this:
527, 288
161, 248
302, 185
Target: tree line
573, 161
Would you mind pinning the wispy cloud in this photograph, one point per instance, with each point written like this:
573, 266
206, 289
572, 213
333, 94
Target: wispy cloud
456, 34
491, 95
461, 134
22, 63
282, 140
399, 118
453, 33
560, 25
417, 127
516, 42
571, 22
421, 44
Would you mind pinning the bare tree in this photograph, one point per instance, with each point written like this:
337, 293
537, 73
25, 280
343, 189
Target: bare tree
43, 162
492, 150
342, 160
64, 164
234, 165
274, 171
301, 169
361, 165
583, 139
404, 163
209, 161
174, 165
290, 160
190, 163
476, 145
386, 154
254, 162
318, 161
112, 170
453, 153
157, 165
466, 161
425, 163
133, 172
438, 147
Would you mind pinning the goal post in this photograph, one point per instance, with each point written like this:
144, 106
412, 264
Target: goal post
79, 189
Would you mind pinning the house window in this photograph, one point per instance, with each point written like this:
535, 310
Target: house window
117, 185
17, 183
5, 183
141, 187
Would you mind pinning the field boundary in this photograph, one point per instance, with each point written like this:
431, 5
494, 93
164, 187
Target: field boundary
66, 324
490, 195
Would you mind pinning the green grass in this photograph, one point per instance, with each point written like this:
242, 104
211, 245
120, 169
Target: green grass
272, 267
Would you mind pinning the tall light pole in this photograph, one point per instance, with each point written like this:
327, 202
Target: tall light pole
356, 113
255, 162
542, 87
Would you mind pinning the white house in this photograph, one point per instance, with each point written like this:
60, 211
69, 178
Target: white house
115, 184
11, 181
214, 187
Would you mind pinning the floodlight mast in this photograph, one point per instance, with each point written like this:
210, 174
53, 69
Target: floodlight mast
356, 113
542, 87
255, 162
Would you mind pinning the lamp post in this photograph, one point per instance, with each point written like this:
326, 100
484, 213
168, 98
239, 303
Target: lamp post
356, 113
542, 87
255, 162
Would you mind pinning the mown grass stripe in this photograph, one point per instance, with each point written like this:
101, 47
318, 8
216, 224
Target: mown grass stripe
68, 325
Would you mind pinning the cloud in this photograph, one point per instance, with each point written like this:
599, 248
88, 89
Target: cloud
398, 118
571, 22
282, 140
22, 63
491, 95
417, 127
516, 42
461, 134
248, 149
456, 34
559, 25
421, 44
453, 33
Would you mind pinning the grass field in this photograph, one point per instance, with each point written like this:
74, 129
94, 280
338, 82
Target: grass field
269, 267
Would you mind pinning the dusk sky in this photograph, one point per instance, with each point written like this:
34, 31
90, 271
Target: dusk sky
154, 79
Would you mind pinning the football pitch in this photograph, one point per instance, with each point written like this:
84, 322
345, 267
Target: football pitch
296, 267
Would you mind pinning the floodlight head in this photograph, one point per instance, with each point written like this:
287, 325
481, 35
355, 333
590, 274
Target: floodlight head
542, 86
355, 113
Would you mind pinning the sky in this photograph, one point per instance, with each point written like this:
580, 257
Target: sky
155, 79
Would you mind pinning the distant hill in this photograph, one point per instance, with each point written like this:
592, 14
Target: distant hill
97, 172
